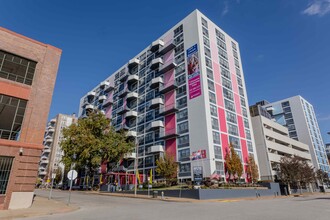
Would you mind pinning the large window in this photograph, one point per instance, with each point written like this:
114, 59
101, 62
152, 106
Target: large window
11, 116
16, 68
5, 168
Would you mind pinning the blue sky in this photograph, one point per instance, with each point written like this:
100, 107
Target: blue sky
284, 43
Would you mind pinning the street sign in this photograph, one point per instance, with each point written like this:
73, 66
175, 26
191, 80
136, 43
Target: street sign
72, 175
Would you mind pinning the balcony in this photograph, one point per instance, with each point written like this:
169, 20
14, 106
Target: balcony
155, 82
109, 88
102, 98
42, 173
121, 127
53, 120
49, 140
123, 78
168, 133
89, 107
51, 130
156, 124
122, 110
132, 95
104, 84
157, 149
131, 114
44, 161
108, 102
130, 156
156, 45
167, 66
156, 102
168, 109
167, 47
123, 92
91, 94
155, 63
46, 150
169, 86
133, 62
131, 134
132, 78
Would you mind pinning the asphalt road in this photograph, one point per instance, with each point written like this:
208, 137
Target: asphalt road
316, 207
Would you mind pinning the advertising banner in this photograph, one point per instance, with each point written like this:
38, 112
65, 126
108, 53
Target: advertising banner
194, 77
197, 155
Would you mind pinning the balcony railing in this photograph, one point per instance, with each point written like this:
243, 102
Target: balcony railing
133, 62
108, 102
89, 107
122, 110
169, 65
123, 92
156, 45
167, 47
168, 109
168, 86
131, 134
155, 82
168, 133
131, 114
102, 98
132, 78
157, 149
156, 102
155, 63
104, 84
132, 95
109, 88
90, 94
157, 124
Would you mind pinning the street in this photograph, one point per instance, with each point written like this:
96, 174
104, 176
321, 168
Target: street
93, 206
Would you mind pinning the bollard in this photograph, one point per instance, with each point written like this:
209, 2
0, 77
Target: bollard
162, 195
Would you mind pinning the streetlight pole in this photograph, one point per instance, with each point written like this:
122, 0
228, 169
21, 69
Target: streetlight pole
135, 166
72, 164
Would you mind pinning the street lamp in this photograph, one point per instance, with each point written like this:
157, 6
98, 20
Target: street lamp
72, 165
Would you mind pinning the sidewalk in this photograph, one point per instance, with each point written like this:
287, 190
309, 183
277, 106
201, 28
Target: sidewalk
41, 206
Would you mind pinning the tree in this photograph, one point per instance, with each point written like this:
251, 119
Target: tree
252, 169
322, 177
59, 175
92, 140
167, 167
295, 170
233, 163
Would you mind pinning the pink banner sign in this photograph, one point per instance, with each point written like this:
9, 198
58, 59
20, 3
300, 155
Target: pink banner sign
194, 78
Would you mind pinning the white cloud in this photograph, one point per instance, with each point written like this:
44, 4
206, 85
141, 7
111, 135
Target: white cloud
318, 7
225, 9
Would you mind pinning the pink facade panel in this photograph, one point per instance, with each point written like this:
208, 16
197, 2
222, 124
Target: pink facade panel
237, 104
219, 95
245, 154
240, 126
170, 124
169, 99
234, 83
225, 145
222, 120
169, 77
168, 57
216, 73
170, 147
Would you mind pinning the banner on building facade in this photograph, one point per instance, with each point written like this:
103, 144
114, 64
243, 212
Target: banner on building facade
194, 76
197, 155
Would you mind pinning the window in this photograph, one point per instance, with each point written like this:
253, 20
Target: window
178, 39
246, 123
182, 115
213, 110
231, 117
221, 44
244, 112
225, 73
183, 141
235, 142
226, 83
238, 72
185, 168
250, 148
237, 63
243, 101
233, 46
248, 134
215, 123
209, 73
208, 62
149, 138
178, 30
182, 102
212, 98
220, 35
229, 105
179, 69
181, 91
181, 80
219, 168
228, 94
206, 41
16, 68
179, 58
183, 127
241, 91
223, 53
12, 112
210, 85
5, 168
184, 155
207, 52
223, 62
205, 32
216, 137
217, 152
232, 129
179, 49
204, 22
235, 54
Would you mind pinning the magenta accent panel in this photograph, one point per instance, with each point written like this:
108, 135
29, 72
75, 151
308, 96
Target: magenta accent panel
240, 126
245, 154
216, 73
225, 145
169, 77
219, 95
169, 98
170, 148
237, 104
222, 120
170, 124
168, 57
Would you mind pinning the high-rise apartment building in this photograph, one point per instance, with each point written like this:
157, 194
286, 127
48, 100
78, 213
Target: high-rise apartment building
52, 153
273, 142
298, 115
183, 95
28, 71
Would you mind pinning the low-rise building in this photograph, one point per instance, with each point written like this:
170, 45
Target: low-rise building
273, 142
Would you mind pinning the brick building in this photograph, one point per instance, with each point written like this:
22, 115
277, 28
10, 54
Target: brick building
28, 72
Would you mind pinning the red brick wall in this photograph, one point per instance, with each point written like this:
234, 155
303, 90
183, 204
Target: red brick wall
39, 95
